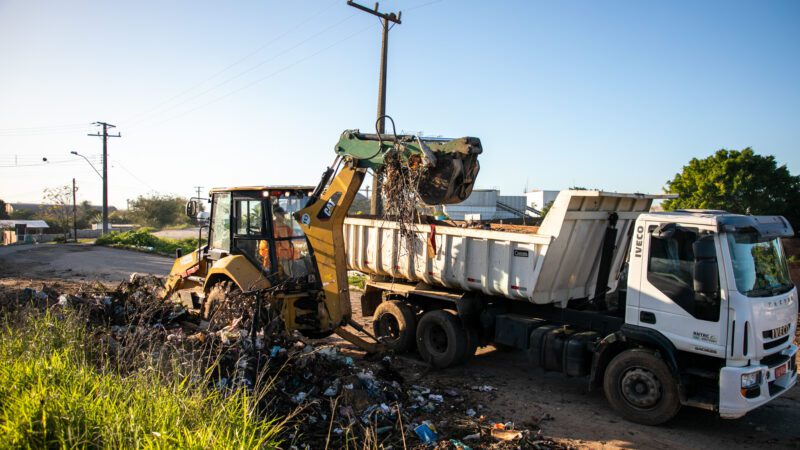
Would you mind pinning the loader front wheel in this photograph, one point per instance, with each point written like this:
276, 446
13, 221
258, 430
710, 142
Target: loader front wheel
395, 325
441, 339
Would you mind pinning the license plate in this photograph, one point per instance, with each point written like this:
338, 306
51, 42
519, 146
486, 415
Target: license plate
781, 370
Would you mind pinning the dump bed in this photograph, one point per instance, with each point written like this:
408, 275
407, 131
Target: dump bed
558, 263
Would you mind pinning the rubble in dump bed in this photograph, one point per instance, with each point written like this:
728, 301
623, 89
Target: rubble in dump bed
331, 399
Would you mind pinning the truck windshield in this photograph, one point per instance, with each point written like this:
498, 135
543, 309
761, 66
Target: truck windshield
758, 265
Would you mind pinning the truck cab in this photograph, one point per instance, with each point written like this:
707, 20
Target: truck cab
716, 286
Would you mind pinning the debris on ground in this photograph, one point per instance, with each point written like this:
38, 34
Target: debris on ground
332, 398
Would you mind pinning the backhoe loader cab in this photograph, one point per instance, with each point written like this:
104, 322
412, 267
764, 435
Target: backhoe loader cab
254, 242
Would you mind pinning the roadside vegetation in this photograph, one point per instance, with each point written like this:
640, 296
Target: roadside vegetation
144, 240
59, 388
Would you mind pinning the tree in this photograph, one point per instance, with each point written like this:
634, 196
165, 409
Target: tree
737, 181
59, 208
3, 213
158, 211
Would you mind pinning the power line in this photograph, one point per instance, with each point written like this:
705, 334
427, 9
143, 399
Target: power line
249, 69
270, 75
237, 62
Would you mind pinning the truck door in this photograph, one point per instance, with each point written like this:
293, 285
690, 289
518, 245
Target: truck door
668, 302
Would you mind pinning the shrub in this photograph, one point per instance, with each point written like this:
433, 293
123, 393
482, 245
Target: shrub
143, 239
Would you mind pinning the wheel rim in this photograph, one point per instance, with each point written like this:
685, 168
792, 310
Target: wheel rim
437, 338
641, 388
388, 327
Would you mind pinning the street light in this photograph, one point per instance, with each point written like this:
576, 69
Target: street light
105, 225
90, 163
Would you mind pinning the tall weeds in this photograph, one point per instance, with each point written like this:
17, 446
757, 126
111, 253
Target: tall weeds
62, 385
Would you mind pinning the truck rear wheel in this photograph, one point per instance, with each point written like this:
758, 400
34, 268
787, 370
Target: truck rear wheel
395, 325
441, 339
641, 388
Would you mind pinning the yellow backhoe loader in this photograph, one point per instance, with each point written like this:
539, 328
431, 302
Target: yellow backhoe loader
285, 242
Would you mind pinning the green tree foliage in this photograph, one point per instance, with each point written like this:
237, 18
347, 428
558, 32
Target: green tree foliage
58, 212
3, 213
158, 211
739, 182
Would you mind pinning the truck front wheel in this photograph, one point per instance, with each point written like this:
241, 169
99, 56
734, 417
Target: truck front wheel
441, 339
641, 388
395, 325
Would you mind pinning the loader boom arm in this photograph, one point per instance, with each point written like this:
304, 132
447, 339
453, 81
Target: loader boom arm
448, 171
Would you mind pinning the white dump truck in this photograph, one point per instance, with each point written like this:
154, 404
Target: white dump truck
659, 309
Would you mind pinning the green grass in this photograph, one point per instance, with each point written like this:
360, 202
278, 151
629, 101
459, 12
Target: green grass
57, 390
142, 239
356, 280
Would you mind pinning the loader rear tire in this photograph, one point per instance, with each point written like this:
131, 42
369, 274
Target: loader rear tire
441, 339
395, 325
641, 388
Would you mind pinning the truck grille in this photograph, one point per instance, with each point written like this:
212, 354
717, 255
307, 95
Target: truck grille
777, 332
775, 343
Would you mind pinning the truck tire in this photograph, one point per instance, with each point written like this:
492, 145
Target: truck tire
641, 388
395, 325
441, 339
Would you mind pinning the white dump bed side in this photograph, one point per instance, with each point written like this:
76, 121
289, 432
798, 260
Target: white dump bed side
558, 263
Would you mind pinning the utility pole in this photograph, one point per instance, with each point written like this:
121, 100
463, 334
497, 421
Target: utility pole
375, 206
74, 212
105, 137
198, 189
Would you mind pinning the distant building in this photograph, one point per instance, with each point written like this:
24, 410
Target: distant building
539, 198
487, 204
37, 208
22, 231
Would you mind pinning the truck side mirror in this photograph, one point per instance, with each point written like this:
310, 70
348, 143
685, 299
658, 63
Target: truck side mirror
192, 207
706, 272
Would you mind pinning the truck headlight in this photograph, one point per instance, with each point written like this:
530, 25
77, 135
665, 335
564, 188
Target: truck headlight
751, 379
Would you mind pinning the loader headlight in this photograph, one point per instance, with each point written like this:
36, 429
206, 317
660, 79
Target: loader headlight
751, 379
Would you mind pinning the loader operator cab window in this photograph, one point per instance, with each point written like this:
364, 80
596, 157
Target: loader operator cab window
291, 247
671, 269
250, 232
220, 236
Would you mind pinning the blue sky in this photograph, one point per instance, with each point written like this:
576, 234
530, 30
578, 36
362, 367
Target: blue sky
617, 95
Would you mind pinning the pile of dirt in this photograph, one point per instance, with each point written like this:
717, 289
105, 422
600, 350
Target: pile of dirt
330, 399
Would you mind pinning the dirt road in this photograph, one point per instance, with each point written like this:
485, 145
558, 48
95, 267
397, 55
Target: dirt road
586, 420
78, 262
563, 408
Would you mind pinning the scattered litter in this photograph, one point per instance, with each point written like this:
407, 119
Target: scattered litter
484, 388
313, 382
427, 433
460, 445
506, 435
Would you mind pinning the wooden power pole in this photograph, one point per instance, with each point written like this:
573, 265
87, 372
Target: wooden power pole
105, 137
74, 212
375, 206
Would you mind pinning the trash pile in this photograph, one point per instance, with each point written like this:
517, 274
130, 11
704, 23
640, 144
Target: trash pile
330, 397
399, 194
